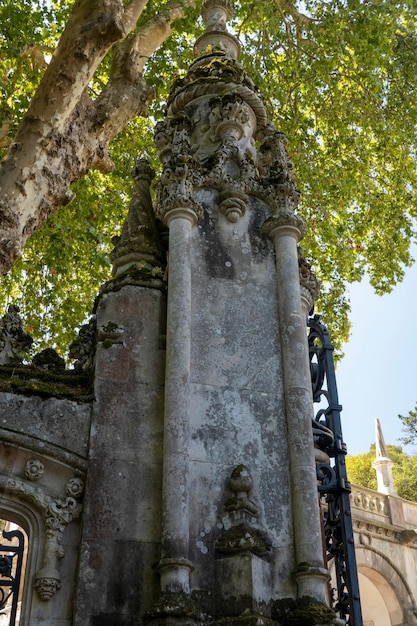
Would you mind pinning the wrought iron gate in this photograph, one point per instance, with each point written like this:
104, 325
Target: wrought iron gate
334, 487
11, 560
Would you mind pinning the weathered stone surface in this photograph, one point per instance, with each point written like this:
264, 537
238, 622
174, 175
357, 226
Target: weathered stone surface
121, 531
64, 423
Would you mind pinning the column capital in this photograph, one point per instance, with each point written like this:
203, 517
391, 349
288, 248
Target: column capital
285, 223
181, 208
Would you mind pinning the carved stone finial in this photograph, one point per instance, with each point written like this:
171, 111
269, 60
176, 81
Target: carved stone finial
380, 447
13, 339
216, 14
243, 532
241, 486
84, 346
139, 242
383, 465
216, 39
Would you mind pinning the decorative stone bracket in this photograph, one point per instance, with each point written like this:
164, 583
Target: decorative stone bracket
57, 514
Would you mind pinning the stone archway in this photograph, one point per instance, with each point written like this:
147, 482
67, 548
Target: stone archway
385, 595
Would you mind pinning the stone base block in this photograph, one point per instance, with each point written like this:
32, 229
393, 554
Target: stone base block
243, 584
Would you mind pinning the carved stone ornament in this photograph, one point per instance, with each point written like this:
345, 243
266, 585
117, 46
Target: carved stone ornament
310, 287
57, 514
243, 532
46, 586
176, 185
34, 469
83, 347
276, 171
139, 244
14, 341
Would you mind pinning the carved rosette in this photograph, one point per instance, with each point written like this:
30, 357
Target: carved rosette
34, 469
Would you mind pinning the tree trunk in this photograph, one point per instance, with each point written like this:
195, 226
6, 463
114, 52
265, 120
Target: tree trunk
64, 133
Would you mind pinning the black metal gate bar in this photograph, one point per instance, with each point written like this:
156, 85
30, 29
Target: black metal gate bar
334, 487
11, 560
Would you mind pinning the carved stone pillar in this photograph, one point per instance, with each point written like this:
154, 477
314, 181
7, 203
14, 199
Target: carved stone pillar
180, 212
285, 230
174, 566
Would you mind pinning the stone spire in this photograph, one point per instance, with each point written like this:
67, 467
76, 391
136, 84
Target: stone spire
383, 465
139, 243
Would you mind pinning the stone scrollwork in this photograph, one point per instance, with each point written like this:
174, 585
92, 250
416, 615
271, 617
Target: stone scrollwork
57, 514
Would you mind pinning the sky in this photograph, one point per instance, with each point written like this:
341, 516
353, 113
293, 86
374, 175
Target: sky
377, 378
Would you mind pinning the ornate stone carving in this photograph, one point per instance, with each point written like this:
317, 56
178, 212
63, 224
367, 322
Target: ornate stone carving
14, 341
139, 244
47, 587
175, 188
276, 172
84, 346
34, 469
57, 514
75, 487
243, 532
310, 288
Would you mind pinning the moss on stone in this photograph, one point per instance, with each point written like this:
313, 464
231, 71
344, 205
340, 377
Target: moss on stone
304, 611
246, 620
28, 380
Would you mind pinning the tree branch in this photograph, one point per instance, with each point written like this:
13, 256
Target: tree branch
65, 133
301, 18
155, 31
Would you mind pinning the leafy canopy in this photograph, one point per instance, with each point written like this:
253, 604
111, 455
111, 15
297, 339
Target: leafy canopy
360, 471
338, 79
409, 429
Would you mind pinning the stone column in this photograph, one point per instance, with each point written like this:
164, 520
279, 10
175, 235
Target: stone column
174, 566
286, 230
